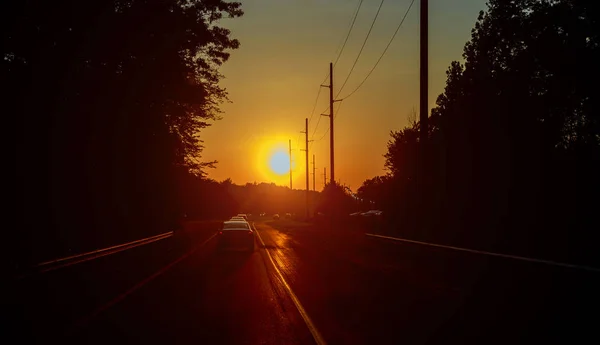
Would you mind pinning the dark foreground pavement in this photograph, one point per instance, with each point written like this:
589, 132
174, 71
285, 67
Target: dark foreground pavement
349, 289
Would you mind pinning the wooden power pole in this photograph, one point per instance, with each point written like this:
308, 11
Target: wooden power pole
331, 150
424, 75
314, 177
424, 173
307, 167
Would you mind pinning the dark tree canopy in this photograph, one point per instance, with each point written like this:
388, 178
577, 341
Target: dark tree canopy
106, 101
336, 201
373, 193
513, 156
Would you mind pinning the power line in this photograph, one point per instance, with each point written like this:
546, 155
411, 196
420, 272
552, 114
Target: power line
326, 131
339, 54
338, 110
361, 48
349, 31
383, 53
297, 142
319, 121
324, 134
370, 72
317, 126
312, 113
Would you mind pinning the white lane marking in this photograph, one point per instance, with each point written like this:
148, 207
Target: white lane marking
80, 258
311, 327
515, 257
156, 237
137, 286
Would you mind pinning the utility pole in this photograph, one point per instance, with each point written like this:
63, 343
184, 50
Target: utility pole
330, 115
314, 177
423, 176
424, 69
324, 177
307, 174
290, 164
331, 157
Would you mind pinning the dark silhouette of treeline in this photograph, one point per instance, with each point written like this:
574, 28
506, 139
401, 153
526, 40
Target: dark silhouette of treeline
513, 154
104, 101
207, 199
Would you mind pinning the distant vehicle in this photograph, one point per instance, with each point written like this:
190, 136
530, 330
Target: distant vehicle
372, 213
238, 219
263, 214
288, 215
235, 234
275, 216
243, 215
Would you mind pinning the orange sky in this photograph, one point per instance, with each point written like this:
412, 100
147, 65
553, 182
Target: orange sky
273, 80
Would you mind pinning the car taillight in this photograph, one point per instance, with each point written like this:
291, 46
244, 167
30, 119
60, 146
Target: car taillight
250, 232
220, 232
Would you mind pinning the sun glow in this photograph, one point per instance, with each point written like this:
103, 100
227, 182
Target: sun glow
273, 160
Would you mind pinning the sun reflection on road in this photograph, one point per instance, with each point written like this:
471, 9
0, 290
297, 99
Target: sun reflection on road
280, 246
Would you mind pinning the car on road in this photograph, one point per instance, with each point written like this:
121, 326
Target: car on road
236, 234
276, 216
238, 219
243, 215
372, 213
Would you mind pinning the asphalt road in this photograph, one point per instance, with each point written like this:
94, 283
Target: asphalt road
305, 286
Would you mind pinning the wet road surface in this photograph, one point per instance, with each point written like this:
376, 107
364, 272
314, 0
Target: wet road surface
302, 286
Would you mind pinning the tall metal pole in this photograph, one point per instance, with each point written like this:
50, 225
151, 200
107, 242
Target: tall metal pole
331, 149
424, 65
314, 175
290, 163
324, 177
307, 174
423, 175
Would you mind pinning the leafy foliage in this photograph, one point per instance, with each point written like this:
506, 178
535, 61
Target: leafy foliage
514, 142
336, 201
108, 98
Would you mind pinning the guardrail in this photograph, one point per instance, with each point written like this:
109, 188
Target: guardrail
482, 252
51, 265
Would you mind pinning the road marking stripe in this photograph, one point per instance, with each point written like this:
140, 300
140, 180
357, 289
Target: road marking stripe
42, 268
515, 257
156, 237
311, 327
139, 285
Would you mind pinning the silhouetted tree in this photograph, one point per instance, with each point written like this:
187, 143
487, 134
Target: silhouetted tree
514, 144
107, 99
336, 202
373, 192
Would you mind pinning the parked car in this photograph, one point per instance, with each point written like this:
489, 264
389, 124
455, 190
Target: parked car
276, 216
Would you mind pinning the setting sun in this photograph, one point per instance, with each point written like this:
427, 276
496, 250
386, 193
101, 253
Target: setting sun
273, 159
280, 162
